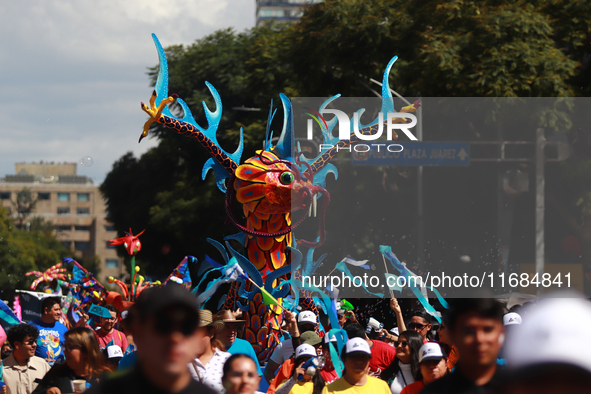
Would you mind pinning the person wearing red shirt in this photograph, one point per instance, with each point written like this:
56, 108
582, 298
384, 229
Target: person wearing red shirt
432, 366
107, 334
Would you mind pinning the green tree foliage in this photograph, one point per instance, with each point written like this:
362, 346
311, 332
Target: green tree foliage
24, 205
458, 49
24, 251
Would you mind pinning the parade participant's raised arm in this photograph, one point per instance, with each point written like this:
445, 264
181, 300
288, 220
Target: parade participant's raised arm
398, 312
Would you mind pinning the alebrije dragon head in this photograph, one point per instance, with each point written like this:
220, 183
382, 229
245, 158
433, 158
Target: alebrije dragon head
131, 242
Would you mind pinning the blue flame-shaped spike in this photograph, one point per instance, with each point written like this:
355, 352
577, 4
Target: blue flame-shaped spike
267, 144
286, 139
387, 100
213, 118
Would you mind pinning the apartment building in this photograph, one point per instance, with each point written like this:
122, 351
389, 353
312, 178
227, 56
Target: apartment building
281, 10
73, 204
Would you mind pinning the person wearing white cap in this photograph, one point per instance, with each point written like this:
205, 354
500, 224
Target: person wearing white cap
286, 369
112, 354
305, 379
551, 358
306, 321
355, 380
511, 320
432, 366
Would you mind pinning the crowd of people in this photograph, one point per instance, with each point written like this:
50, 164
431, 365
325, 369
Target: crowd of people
165, 344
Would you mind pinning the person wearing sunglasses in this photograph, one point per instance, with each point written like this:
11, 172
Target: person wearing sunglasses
22, 369
420, 323
84, 361
404, 369
209, 362
240, 375
164, 322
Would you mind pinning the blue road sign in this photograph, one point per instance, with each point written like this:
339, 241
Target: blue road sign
412, 154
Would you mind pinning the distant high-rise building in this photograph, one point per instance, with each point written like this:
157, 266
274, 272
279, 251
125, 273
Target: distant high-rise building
281, 10
73, 204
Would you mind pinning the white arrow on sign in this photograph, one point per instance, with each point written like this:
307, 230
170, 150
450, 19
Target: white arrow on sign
462, 155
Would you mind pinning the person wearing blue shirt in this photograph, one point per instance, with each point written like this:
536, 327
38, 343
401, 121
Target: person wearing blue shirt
51, 332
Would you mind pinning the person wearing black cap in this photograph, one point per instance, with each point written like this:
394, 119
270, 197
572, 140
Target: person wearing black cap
164, 322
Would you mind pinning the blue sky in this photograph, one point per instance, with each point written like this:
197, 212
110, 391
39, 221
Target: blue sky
73, 73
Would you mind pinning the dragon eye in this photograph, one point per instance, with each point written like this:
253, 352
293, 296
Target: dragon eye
286, 178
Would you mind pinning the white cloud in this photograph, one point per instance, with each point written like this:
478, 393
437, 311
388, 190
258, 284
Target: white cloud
74, 73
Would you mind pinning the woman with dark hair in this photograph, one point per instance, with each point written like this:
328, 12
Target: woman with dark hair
302, 382
240, 375
432, 366
84, 361
421, 323
405, 368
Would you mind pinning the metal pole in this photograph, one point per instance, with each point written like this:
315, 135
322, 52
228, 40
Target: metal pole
420, 229
540, 203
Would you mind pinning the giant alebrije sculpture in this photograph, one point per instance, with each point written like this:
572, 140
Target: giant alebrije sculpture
270, 186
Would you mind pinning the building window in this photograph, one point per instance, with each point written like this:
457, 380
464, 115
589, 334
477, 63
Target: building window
110, 228
67, 244
82, 211
63, 196
111, 263
83, 196
43, 196
81, 245
63, 211
4, 195
63, 227
82, 228
271, 13
110, 246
